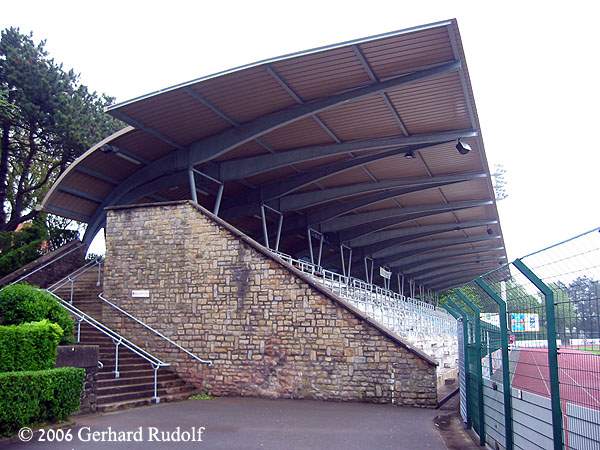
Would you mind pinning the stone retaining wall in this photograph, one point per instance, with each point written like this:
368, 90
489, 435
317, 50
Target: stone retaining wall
269, 330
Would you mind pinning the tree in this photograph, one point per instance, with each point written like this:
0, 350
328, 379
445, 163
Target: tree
585, 295
47, 119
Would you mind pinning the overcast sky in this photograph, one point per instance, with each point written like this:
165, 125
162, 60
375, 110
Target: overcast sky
533, 65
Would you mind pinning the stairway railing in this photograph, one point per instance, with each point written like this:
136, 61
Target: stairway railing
409, 317
156, 332
155, 362
71, 278
43, 266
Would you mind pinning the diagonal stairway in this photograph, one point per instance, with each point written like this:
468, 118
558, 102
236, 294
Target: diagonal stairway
135, 384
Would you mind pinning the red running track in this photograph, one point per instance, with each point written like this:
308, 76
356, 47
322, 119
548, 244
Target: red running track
579, 375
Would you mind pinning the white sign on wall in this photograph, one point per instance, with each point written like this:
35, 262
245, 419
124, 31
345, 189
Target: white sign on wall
385, 273
140, 293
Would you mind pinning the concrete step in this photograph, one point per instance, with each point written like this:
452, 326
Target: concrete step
145, 393
134, 403
131, 386
146, 372
134, 377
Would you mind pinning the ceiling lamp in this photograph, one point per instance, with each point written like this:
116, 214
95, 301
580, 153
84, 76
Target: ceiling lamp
410, 155
462, 147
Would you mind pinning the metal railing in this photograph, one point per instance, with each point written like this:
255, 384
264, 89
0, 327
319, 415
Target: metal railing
417, 321
71, 278
43, 266
117, 339
156, 332
533, 341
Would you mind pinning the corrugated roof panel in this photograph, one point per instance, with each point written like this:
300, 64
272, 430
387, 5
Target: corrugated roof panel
110, 165
244, 96
446, 159
251, 148
323, 74
142, 144
362, 119
416, 50
73, 203
298, 134
178, 117
466, 190
93, 186
397, 167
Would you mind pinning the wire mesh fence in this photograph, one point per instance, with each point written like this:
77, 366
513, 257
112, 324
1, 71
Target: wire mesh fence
538, 348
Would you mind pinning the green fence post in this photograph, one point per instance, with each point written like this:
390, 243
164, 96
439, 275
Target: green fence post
465, 320
508, 420
478, 367
552, 351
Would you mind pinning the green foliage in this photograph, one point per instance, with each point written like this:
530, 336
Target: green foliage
584, 293
47, 119
21, 303
201, 396
29, 346
31, 397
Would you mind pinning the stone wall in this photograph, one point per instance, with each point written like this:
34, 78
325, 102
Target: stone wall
85, 356
269, 330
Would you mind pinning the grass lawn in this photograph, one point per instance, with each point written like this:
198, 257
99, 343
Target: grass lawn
594, 350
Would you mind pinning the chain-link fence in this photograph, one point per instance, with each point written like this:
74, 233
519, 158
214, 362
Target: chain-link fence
532, 348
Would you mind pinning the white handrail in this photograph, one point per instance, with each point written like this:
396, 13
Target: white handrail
72, 277
52, 261
158, 333
109, 332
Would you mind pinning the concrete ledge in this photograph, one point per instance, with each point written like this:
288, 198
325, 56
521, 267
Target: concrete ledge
313, 284
77, 356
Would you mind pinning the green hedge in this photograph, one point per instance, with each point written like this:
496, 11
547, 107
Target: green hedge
22, 303
29, 346
38, 396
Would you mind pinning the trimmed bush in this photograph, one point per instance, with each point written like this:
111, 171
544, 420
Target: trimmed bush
29, 346
38, 396
22, 303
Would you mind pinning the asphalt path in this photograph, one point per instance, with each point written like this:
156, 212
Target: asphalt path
247, 423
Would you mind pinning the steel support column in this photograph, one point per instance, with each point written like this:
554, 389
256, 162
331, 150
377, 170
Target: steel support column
548, 294
508, 419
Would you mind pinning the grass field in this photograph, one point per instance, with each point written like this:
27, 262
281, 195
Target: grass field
594, 350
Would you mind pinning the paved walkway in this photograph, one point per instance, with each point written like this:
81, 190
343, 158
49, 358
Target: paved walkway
248, 423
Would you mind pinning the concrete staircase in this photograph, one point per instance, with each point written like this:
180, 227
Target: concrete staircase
135, 384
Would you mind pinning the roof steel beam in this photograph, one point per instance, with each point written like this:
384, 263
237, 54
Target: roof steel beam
449, 262
151, 131
440, 256
392, 250
412, 232
392, 257
213, 146
250, 203
324, 215
80, 194
459, 268
236, 169
452, 281
304, 200
391, 245
379, 225
354, 220
92, 173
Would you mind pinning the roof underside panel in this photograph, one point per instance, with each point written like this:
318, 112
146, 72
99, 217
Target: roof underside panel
357, 140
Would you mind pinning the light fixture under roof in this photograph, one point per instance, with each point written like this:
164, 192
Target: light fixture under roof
410, 154
462, 147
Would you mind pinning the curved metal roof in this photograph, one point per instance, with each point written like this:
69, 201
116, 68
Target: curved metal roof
320, 136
